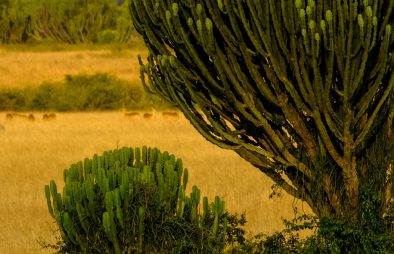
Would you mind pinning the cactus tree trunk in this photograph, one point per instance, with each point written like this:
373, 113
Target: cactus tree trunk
301, 89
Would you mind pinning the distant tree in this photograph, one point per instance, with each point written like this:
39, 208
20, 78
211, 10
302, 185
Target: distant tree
76, 21
14, 21
71, 21
303, 90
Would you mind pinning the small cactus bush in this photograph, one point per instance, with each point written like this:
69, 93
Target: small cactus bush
134, 201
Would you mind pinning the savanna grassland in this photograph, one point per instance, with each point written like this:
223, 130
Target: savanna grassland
34, 152
20, 68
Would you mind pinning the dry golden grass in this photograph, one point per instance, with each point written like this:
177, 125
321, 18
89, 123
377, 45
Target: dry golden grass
23, 68
33, 153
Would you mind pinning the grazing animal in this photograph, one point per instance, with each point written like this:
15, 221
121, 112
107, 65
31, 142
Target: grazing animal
15, 115
168, 115
148, 116
31, 117
48, 117
132, 114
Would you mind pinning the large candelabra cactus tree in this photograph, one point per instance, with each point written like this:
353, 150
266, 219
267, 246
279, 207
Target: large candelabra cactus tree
303, 90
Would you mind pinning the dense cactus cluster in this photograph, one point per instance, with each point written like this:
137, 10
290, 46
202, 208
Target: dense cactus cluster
302, 89
134, 200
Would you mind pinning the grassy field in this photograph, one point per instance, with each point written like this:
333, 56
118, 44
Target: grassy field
34, 152
29, 68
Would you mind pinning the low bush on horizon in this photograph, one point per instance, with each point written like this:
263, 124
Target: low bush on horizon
96, 92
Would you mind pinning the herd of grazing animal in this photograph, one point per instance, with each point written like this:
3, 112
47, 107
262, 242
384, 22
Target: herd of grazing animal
48, 117
148, 116
52, 116
169, 115
30, 117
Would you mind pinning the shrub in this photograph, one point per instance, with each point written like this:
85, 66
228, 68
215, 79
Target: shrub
337, 235
133, 200
45, 97
12, 99
97, 92
107, 36
81, 93
333, 235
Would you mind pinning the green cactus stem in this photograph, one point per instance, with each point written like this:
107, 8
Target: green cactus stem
110, 230
48, 198
141, 228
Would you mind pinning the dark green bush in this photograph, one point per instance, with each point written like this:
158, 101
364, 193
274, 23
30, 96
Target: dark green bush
134, 201
13, 99
107, 36
81, 93
97, 92
332, 236
45, 97
287, 241
337, 235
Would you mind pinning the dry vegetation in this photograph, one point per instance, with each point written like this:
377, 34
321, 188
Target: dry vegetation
33, 153
23, 68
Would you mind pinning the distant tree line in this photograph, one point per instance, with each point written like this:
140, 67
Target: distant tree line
71, 21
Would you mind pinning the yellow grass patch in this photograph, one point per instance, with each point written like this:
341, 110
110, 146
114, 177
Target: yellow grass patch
19, 69
33, 153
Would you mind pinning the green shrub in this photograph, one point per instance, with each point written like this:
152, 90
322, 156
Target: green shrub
134, 201
13, 99
45, 97
81, 93
332, 236
107, 36
96, 92
337, 235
